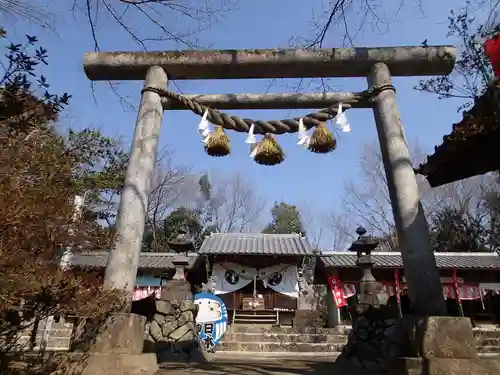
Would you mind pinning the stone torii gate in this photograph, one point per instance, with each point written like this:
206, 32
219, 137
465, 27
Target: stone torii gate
376, 64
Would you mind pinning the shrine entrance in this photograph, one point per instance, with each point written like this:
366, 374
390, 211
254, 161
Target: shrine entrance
378, 65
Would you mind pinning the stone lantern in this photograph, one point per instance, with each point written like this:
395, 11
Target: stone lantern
178, 288
375, 337
367, 293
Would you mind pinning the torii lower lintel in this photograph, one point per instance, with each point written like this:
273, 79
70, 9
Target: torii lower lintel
272, 101
271, 63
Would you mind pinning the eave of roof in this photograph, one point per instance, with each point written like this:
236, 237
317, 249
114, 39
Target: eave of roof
490, 261
471, 148
146, 260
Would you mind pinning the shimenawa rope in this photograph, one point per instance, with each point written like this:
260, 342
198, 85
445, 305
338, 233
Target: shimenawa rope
242, 125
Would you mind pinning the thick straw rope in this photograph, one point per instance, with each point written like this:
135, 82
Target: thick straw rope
242, 125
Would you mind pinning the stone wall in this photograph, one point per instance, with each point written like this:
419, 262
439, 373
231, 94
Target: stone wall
172, 333
377, 336
52, 334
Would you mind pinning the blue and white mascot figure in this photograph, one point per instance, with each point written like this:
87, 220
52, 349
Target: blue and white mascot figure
211, 321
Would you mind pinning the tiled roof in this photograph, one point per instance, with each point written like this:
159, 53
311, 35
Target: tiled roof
256, 244
146, 260
393, 260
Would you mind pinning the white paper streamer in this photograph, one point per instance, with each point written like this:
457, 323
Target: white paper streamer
304, 139
204, 126
251, 139
341, 120
254, 152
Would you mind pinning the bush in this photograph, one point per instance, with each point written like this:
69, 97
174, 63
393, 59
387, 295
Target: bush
40, 176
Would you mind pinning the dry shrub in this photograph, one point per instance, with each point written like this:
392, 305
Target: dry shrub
38, 184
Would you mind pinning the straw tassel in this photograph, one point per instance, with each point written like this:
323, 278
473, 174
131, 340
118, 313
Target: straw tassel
218, 143
268, 151
322, 140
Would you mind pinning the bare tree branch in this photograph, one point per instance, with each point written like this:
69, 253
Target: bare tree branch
235, 206
193, 16
167, 185
368, 203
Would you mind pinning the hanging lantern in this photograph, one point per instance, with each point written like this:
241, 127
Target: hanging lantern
218, 143
268, 151
322, 140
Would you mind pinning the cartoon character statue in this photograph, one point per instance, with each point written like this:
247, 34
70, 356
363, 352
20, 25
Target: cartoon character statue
211, 321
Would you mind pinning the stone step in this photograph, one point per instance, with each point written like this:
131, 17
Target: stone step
488, 341
488, 349
284, 337
220, 354
488, 355
486, 333
269, 347
267, 328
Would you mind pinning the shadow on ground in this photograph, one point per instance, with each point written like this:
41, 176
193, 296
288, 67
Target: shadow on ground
253, 366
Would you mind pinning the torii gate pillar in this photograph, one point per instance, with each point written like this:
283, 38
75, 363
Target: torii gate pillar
123, 261
424, 284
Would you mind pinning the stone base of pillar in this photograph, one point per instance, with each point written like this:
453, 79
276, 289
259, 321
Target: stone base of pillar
442, 346
116, 347
120, 364
444, 366
440, 337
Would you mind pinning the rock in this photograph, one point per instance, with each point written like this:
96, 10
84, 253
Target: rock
173, 331
185, 317
187, 305
363, 334
164, 307
168, 327
371, 365
390, 322
155, 331
373, 340
160, 319
181, 331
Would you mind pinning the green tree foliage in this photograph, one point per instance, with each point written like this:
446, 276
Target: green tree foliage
453, 230
285, 219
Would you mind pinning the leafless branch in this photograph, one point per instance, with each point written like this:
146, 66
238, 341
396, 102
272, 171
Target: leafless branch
366, 200
167, 184
235, 205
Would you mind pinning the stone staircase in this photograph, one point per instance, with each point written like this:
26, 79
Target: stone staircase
269, 341
488, 341
282, 341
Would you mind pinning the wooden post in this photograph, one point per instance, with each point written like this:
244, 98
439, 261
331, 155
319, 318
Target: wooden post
424, 284
123, 261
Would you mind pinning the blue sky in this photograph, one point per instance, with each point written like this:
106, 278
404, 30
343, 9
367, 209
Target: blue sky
304, 178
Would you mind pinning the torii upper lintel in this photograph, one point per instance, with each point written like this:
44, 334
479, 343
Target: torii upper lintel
271, 63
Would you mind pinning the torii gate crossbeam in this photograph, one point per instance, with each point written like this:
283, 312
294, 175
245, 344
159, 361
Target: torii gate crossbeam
376, 64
